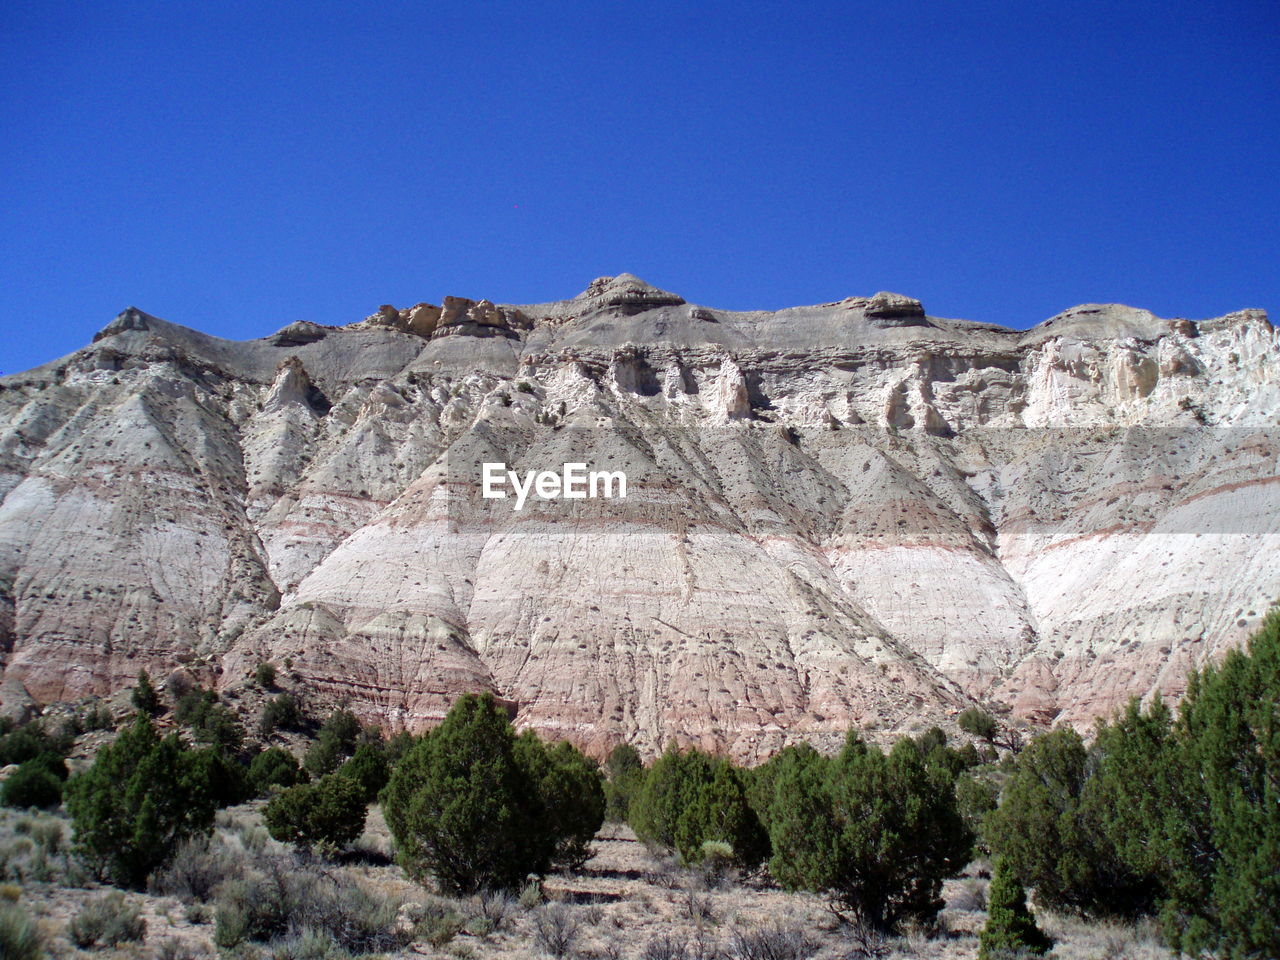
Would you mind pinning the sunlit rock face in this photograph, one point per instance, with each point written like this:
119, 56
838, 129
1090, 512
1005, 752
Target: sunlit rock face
851, 514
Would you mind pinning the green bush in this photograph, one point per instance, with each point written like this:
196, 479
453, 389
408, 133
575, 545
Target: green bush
975, 798
220, 780
978, 723
572, 794
462, 808
1195, 804
97, 717
336, 741
329, 812
876, 833
1010, 929
690, 798
397, 746
368, 768
19, 936
265, 676
33, 784
29, 741
763, 780
144, 696
210, 722
107, 921
274, 767
625, 773
1054, 842
281, 713
140, 799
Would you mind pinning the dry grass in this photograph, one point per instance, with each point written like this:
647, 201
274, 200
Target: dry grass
624, 904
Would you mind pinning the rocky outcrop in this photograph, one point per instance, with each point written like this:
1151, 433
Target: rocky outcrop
851, 513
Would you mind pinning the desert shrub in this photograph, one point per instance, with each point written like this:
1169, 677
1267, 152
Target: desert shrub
34, 784
877, 833
774, 941
259, 905
978, 723
690, 798
264, 675
716, 861
30, 741
19, 935
48, 835
274, 767
107, 921
555, 929
144, 696
666, 946
281, 713
698, 907
1010, 929
97, 717
531, 895
970, 895
356, 920
493, 908
463, 809
572, 794
625, 773
330, 812
174, 949
437, 922
368, 769
211, 723
139, 800
283, 899
335, 742
199, 866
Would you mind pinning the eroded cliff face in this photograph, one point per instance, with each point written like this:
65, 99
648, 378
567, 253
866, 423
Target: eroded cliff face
843, 514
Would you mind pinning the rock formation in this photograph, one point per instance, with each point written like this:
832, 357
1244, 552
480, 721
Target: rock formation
851, 513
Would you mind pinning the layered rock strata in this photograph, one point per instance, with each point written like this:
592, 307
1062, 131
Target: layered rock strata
851, 513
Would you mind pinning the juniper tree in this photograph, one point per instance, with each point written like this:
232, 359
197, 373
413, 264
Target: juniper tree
1218, 831
691, 798
140, 799
274, 767
876, 833
144, 696
329, 812
572, 794
463, 809
1010, 929
1055, 841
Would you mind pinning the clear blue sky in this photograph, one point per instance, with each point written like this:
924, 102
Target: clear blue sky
236, 166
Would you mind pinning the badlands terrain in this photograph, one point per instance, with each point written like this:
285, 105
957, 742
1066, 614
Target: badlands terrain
850, 514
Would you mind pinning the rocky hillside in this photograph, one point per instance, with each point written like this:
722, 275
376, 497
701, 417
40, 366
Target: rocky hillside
844, 513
